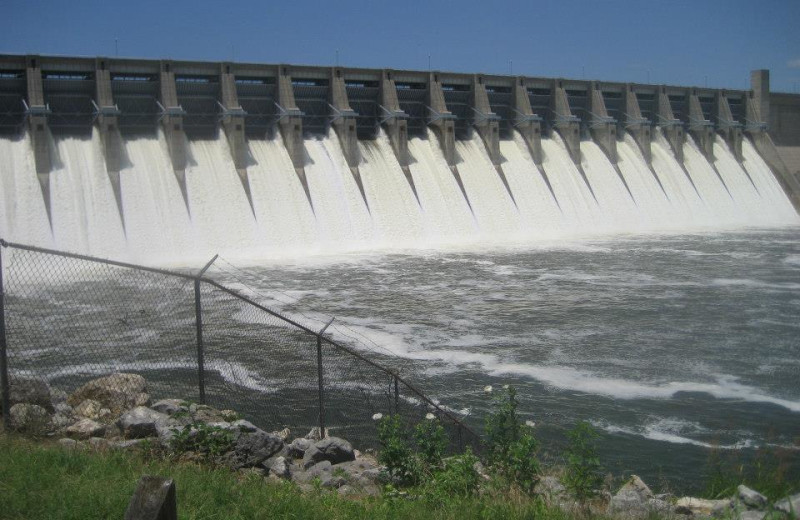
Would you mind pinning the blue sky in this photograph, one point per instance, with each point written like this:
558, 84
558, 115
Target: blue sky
701, 42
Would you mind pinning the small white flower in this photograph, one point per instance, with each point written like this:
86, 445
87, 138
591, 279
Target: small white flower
505, 387
430, 416
530, 424
487, 389
377, 417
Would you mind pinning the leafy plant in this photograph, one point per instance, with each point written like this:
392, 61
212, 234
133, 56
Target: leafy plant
583, 477
431, 441
458, 477
202, 438
396, 453
512, 445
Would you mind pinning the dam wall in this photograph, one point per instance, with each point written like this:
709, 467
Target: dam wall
174, 156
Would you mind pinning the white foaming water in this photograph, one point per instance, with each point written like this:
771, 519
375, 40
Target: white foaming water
159, 228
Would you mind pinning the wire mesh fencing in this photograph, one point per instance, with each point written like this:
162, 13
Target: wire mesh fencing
66, 319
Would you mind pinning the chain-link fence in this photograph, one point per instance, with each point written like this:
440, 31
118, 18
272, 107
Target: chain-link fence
66, 319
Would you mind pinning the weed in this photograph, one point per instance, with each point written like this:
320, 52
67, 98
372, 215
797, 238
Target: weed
584, 474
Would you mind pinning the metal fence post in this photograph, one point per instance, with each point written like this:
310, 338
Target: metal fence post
201, 362
322, 434
396, 396
198, 318
4, 382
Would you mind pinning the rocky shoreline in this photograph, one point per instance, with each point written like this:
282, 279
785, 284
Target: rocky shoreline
116, 412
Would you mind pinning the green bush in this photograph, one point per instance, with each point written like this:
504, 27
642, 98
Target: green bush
201, 438
583, 477
458, 477
396, 452
512, 447
431, 442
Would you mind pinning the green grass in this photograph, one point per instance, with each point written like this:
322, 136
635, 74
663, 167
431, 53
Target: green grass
40, 480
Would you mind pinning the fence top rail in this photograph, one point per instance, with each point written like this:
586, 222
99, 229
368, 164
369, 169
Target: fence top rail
199, 277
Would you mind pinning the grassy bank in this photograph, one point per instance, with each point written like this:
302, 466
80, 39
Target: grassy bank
45, 481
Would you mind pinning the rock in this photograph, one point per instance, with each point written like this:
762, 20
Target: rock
245, 426
117, 392
206, 414
550, 487
283, 434
29, 418
92, 409
314, 435
790, 505
59, 422
98, 443
750, 515
752, 499
24, 390
701, 507
165, 434
57, 397
85, 429
63, 408
279, 467
635, 499
141, 422
70, 444
127, 444
311, 457
322, 471
252, 449
333, 449
298, 447
170, 406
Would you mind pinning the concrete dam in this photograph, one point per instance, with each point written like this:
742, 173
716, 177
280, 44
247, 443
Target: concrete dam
168, 161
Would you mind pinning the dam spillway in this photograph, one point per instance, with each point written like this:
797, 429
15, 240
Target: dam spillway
161, 161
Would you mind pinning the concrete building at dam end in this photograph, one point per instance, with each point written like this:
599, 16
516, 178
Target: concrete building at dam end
50, 96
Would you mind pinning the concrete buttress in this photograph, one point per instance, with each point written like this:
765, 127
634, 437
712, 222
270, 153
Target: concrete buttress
38, 129
602, 127
488, 126
233, 126
730, 129
290, 123
172, 122
756, 101
442, 121
567, 125
107, 126
701, 128
636, 125
395, 123
671, 126
343, 120
527, 123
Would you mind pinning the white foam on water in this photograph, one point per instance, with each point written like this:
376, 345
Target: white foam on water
672, 431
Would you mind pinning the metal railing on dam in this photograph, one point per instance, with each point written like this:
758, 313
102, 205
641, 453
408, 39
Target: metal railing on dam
66, 319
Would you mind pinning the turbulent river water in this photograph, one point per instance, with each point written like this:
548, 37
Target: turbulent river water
670, 345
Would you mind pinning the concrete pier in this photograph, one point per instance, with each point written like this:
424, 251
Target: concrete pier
526, 122
441, 119
566, 124
602, 127
395, 123
727, 126
636, 125
290, 121
701, 128
486, 121
756, 104
108, 128
669, 124
233, 125
37, 112
343, 120
172, 123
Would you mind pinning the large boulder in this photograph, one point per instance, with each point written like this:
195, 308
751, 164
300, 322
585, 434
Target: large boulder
29, 418
117, 392
789, 505
298, 447
701, 507
636, 500
252, 449
141, 422
30, 391
86, 429
93, 410
332, 449
170, 406
751, 498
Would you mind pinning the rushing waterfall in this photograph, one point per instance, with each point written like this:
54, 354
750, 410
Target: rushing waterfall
542, 202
